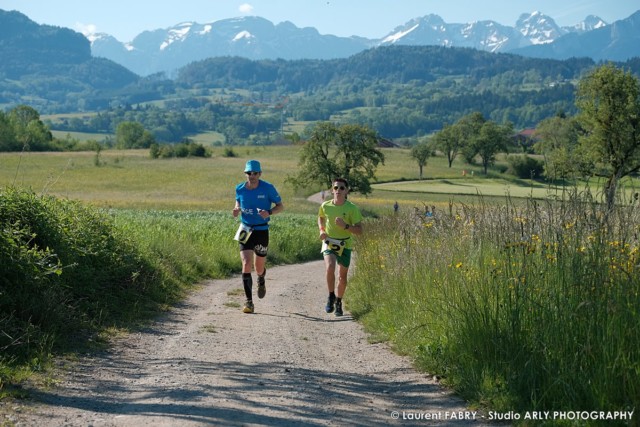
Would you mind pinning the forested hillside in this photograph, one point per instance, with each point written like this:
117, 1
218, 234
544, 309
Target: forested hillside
51, 68
400, 91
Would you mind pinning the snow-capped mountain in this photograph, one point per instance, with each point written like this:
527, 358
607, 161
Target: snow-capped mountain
618, 41
166, 50
250, 37
591, 22
432, 30
530, 29
538, 28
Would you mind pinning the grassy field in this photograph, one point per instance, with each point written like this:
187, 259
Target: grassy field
83, 136
208, 138
131, 179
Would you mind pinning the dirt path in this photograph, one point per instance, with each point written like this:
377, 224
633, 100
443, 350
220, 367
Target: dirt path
207, 363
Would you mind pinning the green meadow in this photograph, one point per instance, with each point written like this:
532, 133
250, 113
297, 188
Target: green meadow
83, 136
131, 179
519, 295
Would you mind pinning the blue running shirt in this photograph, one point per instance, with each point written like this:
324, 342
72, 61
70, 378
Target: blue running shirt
263, 197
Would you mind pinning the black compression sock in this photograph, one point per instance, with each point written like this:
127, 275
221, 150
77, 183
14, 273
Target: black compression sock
247, 282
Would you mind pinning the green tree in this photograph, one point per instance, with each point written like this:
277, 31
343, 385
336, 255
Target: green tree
8, 140
467, 130
348, 151
449, 142
492, 139
558, 143
421, 152
293, 138
29, 130
133, 135
609, 104
22, 115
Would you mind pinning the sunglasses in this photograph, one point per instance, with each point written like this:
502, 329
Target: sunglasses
339, 187
252, 173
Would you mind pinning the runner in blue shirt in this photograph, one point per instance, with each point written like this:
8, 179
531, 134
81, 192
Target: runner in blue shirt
256, 201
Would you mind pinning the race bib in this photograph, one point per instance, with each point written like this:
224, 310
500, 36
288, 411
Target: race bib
243, 233
333, 245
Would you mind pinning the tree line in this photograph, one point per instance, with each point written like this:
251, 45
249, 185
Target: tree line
602, 139
412, 110
21, 129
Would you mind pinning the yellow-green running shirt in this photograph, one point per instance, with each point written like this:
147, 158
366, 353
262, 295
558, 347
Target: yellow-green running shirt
349, 212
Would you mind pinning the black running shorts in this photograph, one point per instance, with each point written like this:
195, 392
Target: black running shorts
258, 242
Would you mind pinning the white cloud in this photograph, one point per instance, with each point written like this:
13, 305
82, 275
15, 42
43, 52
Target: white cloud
245, 8
86, 29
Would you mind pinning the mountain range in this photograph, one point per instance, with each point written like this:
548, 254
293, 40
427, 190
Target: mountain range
534, 34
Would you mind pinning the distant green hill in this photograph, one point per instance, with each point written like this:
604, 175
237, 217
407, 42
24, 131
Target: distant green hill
51, 68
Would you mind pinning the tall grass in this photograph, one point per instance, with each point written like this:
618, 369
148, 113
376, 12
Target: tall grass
200, 244
528, 307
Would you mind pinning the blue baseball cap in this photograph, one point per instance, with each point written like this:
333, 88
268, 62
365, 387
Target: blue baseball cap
252, 166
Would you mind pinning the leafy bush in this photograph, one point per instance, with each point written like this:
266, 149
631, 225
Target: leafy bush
228, 152
154, 151
70, 271
525, 167
196, 150
181, 149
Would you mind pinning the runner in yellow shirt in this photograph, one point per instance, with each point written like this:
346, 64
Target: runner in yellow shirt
338, 220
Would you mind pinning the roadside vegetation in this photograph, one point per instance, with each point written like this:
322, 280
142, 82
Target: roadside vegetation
519, 308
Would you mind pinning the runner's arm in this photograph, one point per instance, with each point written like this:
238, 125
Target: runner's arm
321, 226
279, 207
355, 229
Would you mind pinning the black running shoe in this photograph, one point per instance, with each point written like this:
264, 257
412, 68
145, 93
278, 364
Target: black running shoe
262, 289
339, 308
330, 303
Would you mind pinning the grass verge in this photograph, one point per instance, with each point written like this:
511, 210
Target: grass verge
532, 307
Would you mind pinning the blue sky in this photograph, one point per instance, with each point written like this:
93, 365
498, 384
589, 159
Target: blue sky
124, 19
